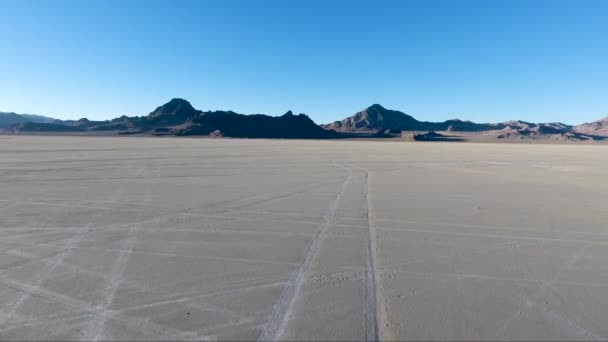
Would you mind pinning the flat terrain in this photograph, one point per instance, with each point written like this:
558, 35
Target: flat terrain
117, 238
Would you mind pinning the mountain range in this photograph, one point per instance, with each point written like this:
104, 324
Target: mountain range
379, 121
178, 118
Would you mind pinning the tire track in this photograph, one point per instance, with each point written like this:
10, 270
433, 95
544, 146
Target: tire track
283, 309
252, 200
97, 324
135, 323
376, 317
371, 294
52, 264
187, 298
530, 302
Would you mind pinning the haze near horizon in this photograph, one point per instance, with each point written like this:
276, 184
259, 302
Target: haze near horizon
494, 61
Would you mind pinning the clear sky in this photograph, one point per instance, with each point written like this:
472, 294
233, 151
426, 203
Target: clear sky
484, 61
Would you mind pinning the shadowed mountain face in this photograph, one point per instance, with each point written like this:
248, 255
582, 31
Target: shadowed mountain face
178, 117
254, 126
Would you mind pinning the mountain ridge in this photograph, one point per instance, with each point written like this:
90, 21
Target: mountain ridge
376, 117
178, 117
8, 119
381, 122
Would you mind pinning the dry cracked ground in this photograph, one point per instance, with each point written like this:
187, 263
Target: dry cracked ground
192, 239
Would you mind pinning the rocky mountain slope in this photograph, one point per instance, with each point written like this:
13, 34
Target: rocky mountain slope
377, 118
599, 127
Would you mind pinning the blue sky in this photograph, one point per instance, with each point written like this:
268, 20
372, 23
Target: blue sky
484, 61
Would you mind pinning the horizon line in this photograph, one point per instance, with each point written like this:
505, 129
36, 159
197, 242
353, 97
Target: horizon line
52, 116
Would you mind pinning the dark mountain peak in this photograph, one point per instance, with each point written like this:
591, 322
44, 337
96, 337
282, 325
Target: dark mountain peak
174, 110
289, 113
178, 102
376, 107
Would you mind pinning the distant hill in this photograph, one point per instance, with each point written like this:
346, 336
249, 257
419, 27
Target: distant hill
377, 118
178, 117
9, 118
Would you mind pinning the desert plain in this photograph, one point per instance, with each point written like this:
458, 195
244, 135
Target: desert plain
125, 238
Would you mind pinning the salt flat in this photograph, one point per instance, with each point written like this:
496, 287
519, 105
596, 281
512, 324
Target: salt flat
107, 238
